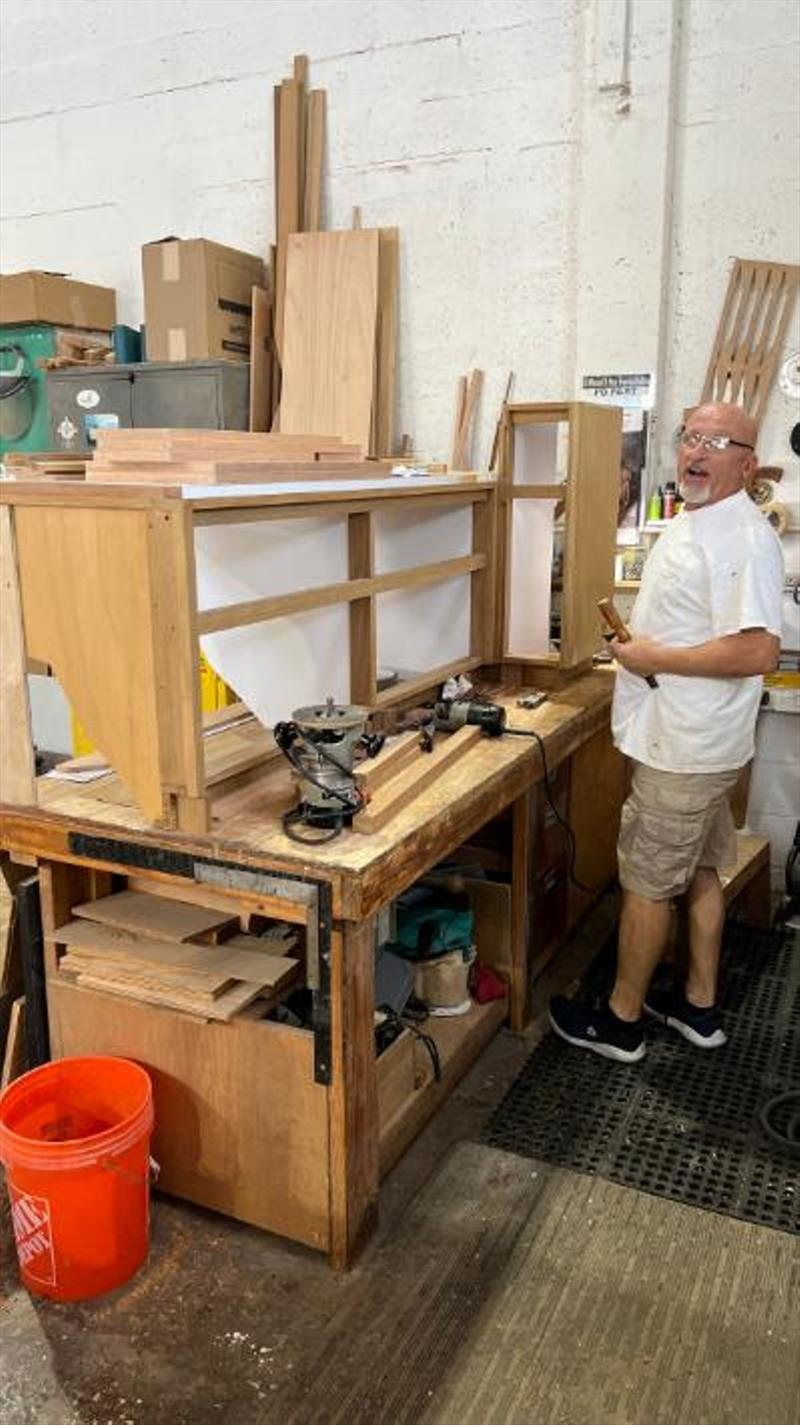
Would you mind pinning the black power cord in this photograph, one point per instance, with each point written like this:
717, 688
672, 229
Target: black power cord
295, 816
548, 791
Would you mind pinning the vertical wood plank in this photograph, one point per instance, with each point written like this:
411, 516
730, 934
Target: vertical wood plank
353, 1095
17, 761
388, 264
260, 363
176, 662
363, 629
482, 581
316, 122
520, 912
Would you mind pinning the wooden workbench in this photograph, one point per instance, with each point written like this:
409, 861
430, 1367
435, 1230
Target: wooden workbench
291, 1129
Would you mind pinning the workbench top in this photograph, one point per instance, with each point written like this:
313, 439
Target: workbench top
365, 870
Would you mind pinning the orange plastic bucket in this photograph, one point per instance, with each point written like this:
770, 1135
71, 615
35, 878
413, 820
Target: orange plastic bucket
75, 1141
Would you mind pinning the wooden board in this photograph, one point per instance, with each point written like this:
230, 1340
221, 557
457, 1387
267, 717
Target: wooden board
383, 408
121, 446
199, 985
392, 759
240, 1124
155, 916
330, 333
320, 466
591, 528
315, 154
260, 395
14, 1056
17, 765
396, 794
74, 562
157, 992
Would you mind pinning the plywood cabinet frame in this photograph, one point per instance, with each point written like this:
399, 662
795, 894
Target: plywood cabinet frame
589, 494
105, 578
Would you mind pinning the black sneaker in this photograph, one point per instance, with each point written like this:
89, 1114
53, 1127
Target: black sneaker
597, 1028
702, 1027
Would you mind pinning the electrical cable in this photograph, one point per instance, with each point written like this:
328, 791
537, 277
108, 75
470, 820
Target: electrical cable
571, 842
295, 816
402, 1022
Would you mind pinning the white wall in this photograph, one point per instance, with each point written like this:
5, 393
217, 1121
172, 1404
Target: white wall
541, 229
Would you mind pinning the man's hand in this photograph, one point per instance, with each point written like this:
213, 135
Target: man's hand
642, 656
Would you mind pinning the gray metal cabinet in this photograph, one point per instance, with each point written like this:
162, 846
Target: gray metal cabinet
197, 395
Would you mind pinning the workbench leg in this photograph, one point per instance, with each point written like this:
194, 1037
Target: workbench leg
353, 1095
755, 901
520, 913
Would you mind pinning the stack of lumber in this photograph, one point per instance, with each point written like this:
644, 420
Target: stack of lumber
175, 954
340, 335
208, 457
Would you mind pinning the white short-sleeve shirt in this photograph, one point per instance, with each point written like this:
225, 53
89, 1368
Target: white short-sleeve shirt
714, 571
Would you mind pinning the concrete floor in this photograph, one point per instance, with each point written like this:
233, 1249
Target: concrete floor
496, 1290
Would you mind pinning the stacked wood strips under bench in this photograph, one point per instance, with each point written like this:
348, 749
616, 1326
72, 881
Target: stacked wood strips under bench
180, 956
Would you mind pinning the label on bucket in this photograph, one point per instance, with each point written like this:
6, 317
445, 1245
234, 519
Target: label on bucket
33, 1234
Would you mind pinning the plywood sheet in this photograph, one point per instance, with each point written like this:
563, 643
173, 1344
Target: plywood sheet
86, 607
155, 916
329, 336
241, 1126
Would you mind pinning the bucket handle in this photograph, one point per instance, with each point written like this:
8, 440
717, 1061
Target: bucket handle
153, 1171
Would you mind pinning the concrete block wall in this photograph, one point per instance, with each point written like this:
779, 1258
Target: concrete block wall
549, 224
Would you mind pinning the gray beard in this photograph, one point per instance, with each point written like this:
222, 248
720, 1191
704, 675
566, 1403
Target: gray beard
698, 498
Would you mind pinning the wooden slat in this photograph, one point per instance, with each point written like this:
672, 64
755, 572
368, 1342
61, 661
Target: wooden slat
14, 1056
278, 605
411, 688
403, 750
315, 153
153, 916
291, 141
260, 363
458, 422
328, 354
396, 794
17, 770
174, 979
388, 264
353, 1094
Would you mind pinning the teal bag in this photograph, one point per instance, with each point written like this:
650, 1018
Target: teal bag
429, 926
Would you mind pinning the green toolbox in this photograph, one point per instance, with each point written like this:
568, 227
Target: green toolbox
24, 402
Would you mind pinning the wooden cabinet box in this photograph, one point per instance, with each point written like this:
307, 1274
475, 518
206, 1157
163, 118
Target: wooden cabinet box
559, 488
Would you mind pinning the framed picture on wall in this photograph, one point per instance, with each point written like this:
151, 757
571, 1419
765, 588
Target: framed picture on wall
634, 393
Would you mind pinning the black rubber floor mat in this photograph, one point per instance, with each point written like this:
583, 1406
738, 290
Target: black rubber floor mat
683, 1123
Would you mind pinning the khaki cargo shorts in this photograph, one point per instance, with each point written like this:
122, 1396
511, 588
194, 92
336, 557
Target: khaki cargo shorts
672, 823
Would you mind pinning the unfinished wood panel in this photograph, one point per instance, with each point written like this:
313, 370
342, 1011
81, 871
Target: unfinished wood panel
597, 790
388, 267
330, 333
260, 416
591, 527
86, 608
751, 334
17, 765
240, 1124
353, 1099
520, 912
156, 916
315, 155
242, 957
363, 631
394, 1071
392, 758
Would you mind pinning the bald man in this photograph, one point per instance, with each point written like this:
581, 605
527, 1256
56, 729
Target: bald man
707, 624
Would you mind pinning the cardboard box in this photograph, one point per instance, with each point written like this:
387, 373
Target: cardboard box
49, 297
198, 299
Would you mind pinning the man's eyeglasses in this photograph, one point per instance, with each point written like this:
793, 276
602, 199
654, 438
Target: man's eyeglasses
693, 440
